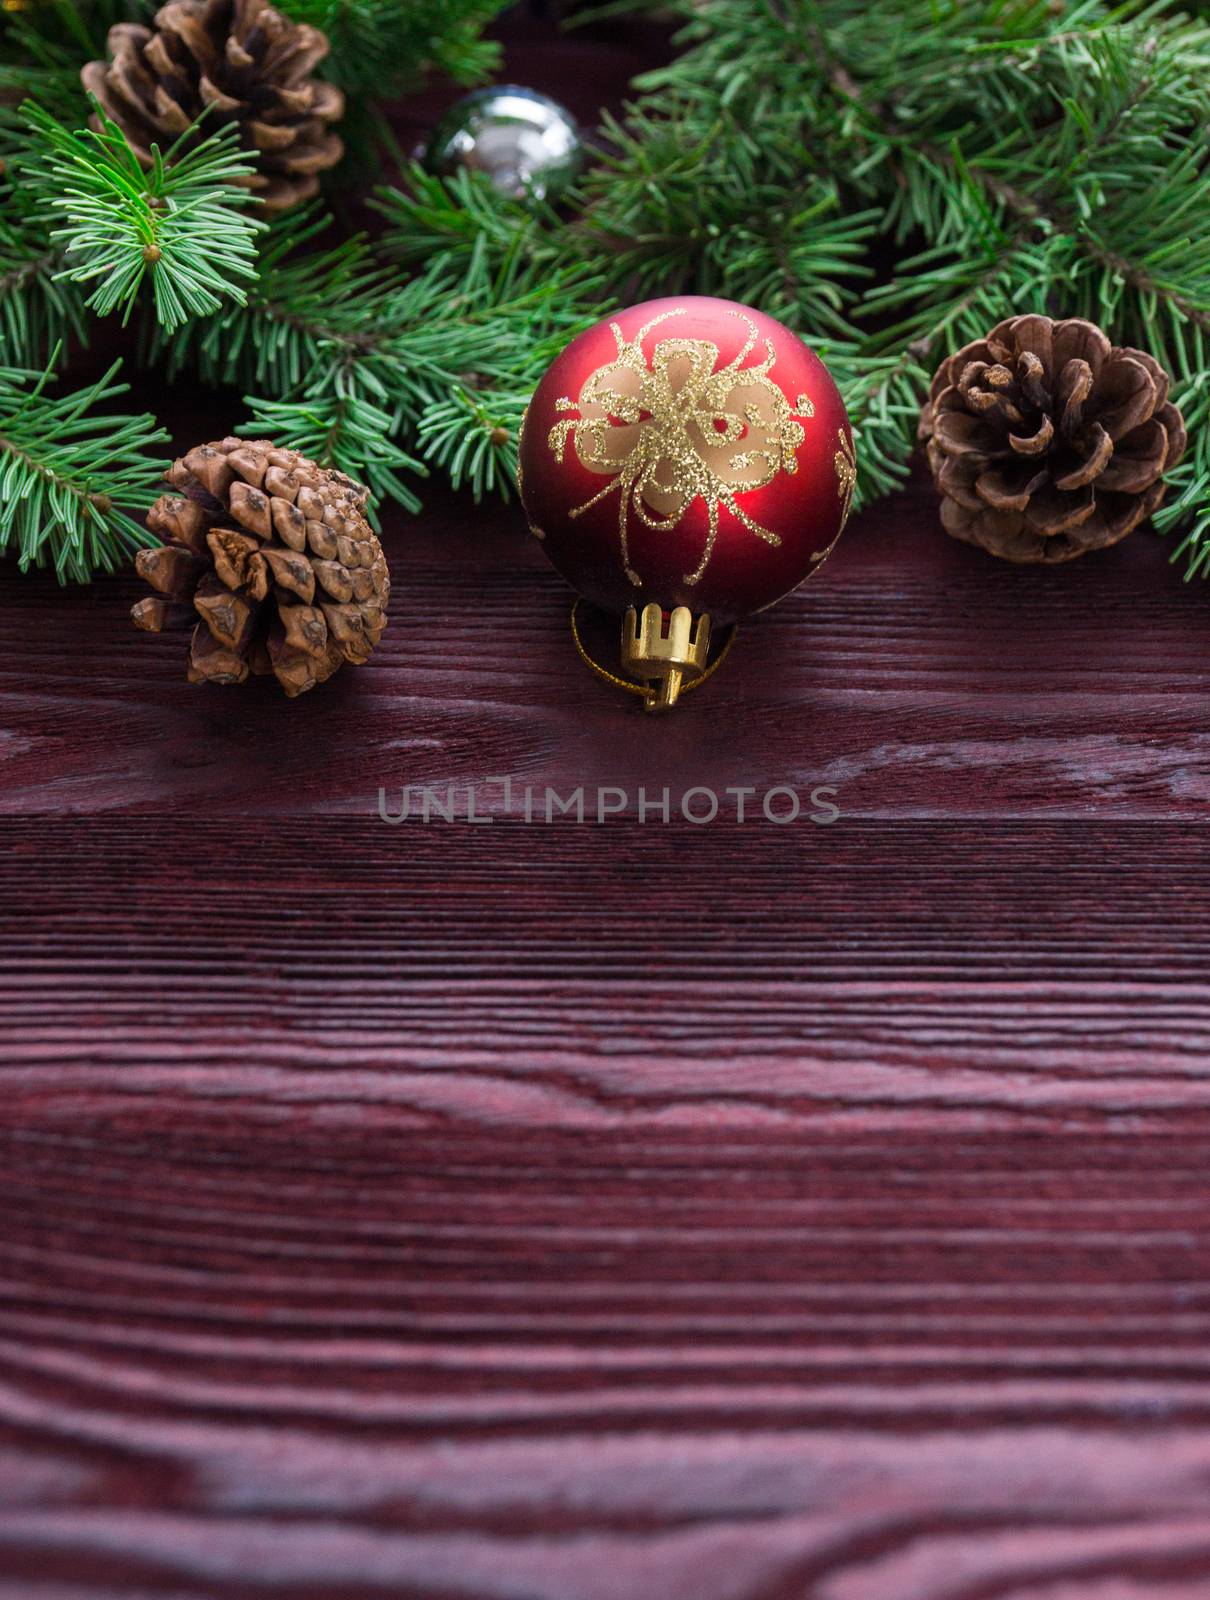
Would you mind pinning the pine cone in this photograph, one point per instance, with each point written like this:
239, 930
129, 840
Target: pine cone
276, 557
245, 60
1046, 442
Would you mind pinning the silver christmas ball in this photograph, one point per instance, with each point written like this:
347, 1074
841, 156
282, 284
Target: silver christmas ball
527, 144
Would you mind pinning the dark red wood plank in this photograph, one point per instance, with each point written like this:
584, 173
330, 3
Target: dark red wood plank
611, 1212
590, 977
584, 1212
916, 676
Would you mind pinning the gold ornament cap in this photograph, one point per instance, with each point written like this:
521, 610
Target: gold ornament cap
665, 650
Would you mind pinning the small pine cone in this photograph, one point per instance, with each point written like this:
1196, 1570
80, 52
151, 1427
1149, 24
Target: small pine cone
249, 64
1045, 441
274, 554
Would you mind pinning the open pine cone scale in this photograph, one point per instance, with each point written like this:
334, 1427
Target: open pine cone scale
245, 61
1046, 441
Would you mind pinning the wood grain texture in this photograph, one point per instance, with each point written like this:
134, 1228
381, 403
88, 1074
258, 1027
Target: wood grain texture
918, 677
467, 1212
619, 1211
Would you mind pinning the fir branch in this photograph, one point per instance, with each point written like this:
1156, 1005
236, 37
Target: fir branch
308, 310
1187, 509
461, 218
985, 156
336, 337
181, 223
343, 431
681, 207
78, 26
43, 45
472, 438
72, 474
37, 312
381, 47
882, 395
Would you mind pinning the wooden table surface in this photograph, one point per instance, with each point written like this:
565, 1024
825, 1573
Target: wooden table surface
613, 1211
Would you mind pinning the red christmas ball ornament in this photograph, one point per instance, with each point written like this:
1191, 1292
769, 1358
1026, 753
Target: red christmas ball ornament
686, 461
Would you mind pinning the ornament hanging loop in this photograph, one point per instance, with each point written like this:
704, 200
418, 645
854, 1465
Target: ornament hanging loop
664, 650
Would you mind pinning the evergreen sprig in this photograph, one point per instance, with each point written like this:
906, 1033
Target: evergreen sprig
1023, 156
43, 46
1187, 511
369, 367
181, 223
345, 431
38, 313
990, 154
889, 177
71, 474
380, 47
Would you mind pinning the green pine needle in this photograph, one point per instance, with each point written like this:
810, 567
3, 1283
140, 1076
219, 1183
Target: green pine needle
888, 177
347, 432
37, 312
71, 473
44, 44
381, 47
180, 224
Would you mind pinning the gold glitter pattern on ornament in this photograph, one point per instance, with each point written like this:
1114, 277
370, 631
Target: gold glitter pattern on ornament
845, 462
533, 527
675, 431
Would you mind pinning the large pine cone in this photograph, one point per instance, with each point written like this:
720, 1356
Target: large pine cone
1045, 441
248, 62
275, 555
